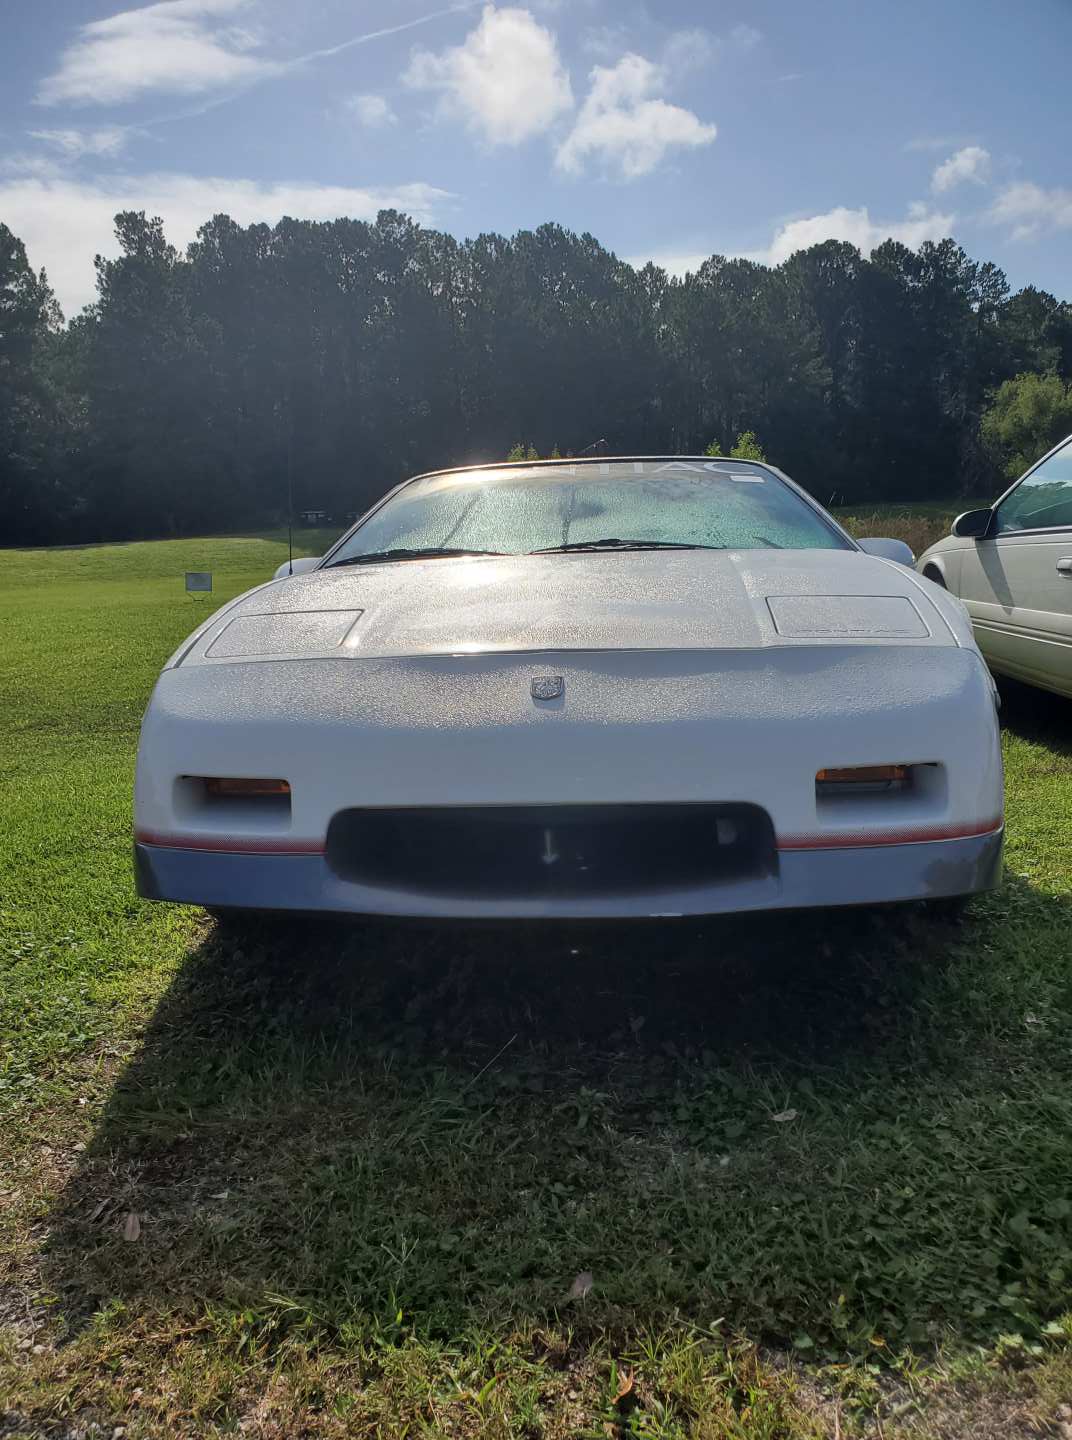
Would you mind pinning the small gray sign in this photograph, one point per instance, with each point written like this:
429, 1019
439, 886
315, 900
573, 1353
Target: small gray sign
198, 580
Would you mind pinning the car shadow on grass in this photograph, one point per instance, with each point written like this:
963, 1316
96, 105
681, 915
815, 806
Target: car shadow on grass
826, 1125
1037, 716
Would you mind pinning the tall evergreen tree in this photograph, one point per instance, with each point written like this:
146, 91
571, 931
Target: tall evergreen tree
35, 495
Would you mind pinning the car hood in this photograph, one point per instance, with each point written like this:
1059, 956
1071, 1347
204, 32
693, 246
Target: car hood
688, 600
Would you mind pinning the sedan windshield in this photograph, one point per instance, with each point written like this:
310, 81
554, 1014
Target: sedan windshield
612, 506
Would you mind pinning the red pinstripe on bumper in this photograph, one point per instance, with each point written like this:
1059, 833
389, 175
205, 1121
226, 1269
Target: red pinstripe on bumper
842, 840
232, 844
865, 839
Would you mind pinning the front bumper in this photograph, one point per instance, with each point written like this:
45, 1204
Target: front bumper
802, 879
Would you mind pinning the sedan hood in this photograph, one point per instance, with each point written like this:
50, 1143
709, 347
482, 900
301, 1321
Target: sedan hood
636, 600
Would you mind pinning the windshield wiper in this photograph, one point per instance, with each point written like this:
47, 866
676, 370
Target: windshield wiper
613, 543
383, 557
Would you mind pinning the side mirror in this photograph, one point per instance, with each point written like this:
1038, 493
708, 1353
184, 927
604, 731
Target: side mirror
973, 524
297, 567
889, 550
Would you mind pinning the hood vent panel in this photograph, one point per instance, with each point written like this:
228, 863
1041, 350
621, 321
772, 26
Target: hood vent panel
846, 617
308, 632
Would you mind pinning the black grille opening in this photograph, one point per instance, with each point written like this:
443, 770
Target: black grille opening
562, 850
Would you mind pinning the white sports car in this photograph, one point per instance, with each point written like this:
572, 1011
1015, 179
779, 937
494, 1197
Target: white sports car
577, 689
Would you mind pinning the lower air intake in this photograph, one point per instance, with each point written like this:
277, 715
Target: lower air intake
521, 852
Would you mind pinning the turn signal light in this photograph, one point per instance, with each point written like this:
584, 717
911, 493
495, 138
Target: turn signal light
245, 789
864, 775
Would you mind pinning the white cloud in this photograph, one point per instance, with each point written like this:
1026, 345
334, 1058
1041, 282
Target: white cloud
506, 79
857, 227
64, 222
1030, 209
854, 226
73, 144
178, 46
371, 111
622, 124
971, 163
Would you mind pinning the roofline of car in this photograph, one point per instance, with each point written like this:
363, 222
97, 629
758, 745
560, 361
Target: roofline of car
579, 460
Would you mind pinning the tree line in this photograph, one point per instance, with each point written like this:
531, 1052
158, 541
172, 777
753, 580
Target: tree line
340, 357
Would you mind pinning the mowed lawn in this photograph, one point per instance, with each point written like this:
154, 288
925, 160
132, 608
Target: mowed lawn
793, 1177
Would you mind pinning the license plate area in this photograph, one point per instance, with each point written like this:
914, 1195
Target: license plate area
568, 851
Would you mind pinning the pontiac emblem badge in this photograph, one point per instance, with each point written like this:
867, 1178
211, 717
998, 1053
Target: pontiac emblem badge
548, 687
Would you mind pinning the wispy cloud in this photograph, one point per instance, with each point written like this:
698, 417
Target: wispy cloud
972, 163
746, 37
73, 144
506, 80
605, 42
689, 50
625, 125
328, 50
1032, 210
186, 47
64, 222
181, 47
373, 112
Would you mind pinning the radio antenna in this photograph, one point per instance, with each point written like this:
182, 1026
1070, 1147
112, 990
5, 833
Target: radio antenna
290, 479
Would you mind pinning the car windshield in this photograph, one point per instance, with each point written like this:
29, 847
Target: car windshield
722, 505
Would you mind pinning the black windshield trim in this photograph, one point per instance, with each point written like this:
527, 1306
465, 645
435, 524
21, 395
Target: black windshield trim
613, 545
388, 557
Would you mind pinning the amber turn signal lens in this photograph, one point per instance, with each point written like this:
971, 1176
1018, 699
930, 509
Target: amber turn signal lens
864, 775
245, 788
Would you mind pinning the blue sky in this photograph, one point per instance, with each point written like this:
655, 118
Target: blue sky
671, 129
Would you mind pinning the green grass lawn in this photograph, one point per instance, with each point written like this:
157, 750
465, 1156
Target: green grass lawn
323, 1180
